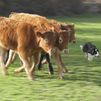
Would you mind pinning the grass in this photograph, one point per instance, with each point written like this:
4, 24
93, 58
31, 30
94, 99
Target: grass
82, 83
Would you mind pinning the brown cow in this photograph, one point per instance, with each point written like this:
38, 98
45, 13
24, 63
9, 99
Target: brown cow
62, 43
25, 41
43, 23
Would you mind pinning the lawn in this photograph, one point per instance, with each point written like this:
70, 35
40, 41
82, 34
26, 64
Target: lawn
82, 83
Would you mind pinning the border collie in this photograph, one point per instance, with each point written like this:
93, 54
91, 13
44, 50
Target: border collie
90, 50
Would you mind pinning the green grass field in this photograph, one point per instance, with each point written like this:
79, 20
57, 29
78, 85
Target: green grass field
82, 83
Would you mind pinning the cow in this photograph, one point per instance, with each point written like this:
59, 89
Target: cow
46, 25
24, 39
71, 39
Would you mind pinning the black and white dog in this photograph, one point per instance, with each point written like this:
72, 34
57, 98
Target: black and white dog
90, 50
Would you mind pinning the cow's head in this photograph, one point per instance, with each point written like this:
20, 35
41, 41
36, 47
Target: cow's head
47, 41
63, 40
71, 29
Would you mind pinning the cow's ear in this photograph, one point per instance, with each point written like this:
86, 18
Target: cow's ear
39, 34
71, 25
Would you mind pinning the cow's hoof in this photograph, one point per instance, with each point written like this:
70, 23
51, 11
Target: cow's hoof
61, 77
65, 70
18, 70
30, 78
4, 72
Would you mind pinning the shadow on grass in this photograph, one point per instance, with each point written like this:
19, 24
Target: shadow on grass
79, 74
86, 75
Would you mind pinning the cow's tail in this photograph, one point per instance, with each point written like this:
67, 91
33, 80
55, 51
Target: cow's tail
81, 46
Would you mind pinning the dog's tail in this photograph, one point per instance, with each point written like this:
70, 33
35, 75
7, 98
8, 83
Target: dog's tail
81, 46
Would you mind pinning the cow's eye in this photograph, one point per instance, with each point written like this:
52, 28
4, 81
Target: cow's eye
60, 40
46, 40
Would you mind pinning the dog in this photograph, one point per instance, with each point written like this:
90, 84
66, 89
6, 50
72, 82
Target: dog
90, 50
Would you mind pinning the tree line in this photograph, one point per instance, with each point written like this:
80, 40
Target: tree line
42, 7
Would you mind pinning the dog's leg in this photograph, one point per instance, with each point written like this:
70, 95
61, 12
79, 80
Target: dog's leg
40, 64
51, 70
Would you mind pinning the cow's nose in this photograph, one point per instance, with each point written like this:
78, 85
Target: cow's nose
52, 51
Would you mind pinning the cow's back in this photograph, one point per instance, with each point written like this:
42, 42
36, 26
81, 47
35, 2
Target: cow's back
36, 20
14, 33
7, 32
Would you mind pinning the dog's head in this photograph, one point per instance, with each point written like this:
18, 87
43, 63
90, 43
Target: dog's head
93, 53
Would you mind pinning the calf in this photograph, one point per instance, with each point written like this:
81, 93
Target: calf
62, 43
44, 23
25, 41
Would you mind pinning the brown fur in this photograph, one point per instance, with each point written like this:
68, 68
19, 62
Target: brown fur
25, 40
46, 24
65, 32
66, 26
71, 28
33, 19
43, 23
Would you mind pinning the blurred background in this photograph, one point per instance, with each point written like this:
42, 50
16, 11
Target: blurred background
50, 7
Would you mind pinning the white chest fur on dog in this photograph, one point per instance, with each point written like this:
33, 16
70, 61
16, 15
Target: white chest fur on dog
90, 57
90, 50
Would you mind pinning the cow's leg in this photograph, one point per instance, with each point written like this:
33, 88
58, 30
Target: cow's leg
64, 68
40, 64
58, 61
26, 63
11, 58
2, 61
21, 69
51, 71
36, 59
